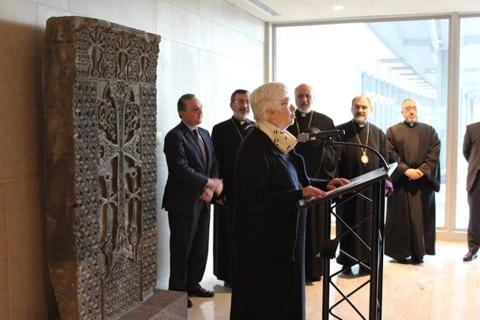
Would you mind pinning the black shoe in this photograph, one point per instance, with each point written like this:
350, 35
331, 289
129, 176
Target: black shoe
189, 303
347, 271
363, 271
198, 291
403, 261
416, 260
472, 254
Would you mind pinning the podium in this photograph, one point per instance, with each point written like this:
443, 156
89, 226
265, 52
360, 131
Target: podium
334, 199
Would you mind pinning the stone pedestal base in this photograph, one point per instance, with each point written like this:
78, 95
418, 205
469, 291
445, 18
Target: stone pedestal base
162, 305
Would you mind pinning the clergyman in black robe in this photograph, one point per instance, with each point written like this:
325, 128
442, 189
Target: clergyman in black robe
320, 162
410, 224
355, 161
226, 137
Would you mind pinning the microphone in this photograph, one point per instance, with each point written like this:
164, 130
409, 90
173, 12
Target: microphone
321, 135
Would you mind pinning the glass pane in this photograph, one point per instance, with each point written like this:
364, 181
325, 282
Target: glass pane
387, 61
469, 101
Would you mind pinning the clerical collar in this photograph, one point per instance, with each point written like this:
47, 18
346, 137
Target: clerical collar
241, 123
360, 125
303, 114
410, 124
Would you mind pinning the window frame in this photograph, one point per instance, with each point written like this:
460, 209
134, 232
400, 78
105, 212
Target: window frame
449, 231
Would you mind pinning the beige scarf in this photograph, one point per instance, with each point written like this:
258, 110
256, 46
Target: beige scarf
282, 139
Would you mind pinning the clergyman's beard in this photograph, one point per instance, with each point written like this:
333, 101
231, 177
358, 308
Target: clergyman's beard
411, 121
360, 120
304, 110
241, 116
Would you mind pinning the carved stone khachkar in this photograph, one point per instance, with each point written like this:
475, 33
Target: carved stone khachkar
100, 165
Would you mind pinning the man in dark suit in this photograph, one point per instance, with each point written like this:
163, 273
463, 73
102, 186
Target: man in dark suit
227, 136
191, 184
471, 151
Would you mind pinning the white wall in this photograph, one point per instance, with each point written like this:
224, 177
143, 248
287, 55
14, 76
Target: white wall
208, 47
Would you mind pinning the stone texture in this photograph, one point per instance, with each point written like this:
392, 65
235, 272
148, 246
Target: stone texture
162, 305
100, 165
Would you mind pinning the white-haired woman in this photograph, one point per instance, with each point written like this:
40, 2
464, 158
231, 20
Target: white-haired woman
269, 229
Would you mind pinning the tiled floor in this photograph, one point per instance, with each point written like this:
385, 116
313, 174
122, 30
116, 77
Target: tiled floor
444, 287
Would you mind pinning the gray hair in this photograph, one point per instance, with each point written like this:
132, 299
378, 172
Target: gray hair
402, 105
265, 96
305, 85
182, 100
354, 101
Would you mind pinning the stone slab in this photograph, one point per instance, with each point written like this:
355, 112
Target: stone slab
100, 165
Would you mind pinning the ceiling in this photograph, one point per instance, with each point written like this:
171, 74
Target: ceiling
298, 11
419, 44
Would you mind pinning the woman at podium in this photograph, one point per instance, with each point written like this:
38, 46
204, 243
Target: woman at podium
268, 279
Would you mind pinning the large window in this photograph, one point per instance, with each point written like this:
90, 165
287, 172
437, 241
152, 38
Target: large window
387, 61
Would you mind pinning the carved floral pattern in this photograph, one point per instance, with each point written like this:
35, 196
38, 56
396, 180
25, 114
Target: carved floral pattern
114, 117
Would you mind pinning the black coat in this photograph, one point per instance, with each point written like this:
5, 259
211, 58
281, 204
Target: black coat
187, 173
269, 232
320, 162
410, 223
471, 151
320, 159
188, 216
226, 137
357, 209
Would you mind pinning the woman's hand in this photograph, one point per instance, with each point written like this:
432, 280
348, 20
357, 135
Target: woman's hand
310, 191
336, 182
